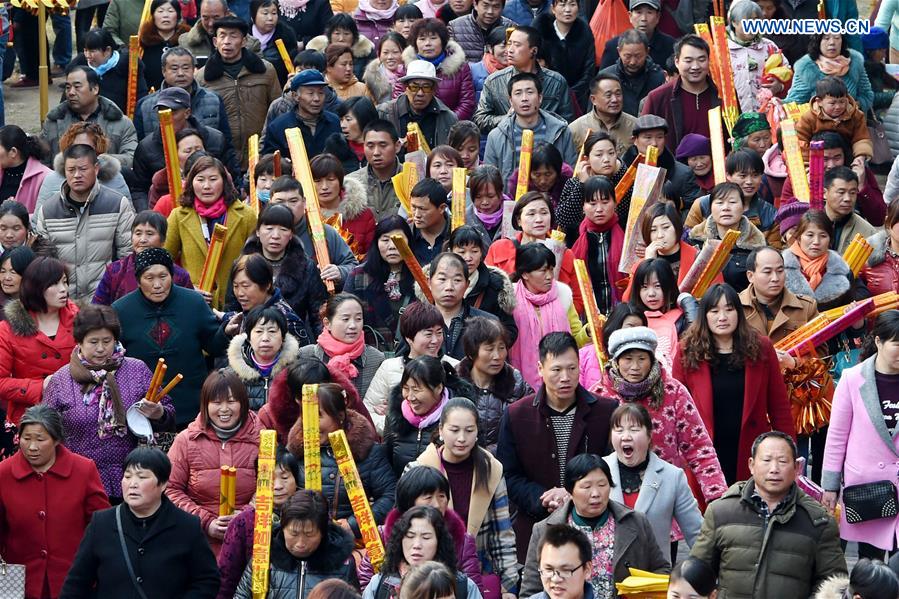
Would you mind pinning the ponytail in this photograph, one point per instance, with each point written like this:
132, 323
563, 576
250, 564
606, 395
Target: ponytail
29, 146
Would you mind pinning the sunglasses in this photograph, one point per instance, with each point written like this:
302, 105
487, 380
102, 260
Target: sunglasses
420, 87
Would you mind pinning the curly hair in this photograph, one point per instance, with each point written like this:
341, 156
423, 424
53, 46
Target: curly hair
698, 343
446, 552
101, 142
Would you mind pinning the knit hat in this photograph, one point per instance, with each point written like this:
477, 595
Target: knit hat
746, 125
693, 144
151, 257
875, 39
789, 215
632, 338
19, 258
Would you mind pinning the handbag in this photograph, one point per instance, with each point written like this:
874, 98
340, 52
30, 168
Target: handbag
882, 152
870, 501
12, 580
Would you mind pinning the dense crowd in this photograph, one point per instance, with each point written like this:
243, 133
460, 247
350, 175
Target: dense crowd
165, 302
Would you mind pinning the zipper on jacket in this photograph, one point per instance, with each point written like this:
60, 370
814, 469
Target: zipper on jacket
301, 590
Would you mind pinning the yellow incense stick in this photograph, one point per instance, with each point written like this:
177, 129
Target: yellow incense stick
458, 203
262, 527
594, 318
168, 388
312, 454
282, 51
627, 180
133, 58
581, 156
412, 264
224, 506
232, 488
717, 136
213, 257
252, 161
524, 163
156, 379
716, 264
652, 156
170, 149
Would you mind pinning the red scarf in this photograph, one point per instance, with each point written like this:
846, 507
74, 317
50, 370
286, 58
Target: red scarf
357, 148
581, 245
492, 63
213, 210
342, 354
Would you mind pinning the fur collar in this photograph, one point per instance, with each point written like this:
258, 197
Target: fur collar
360, 434
834, 285
329, 558
496, 279
833, 588
215, 68
378, 83
363, 47
109, 167
293, 267
454, 525
20, 321
879, 241
238, 362
504, 384
149, 35
455, 58
354, 200
580, 31
750, 236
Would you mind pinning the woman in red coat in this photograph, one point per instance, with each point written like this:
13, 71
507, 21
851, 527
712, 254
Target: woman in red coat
35, 341
225, 433
346, 198
47, 497
734, 377
881, 273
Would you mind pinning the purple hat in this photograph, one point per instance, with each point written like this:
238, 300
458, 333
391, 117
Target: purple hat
693, 144
789, 215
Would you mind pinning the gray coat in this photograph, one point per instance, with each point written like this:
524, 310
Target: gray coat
836, 284
471, 37
493, 105
501, 147
205, 106
664, 496
339, 252
110, 176
118, 128
367, 364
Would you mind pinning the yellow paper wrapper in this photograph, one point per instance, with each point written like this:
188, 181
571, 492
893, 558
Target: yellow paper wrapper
262, 527
627, 180
285, 57
213, 258
524, 163
716, 263
793, 159
225, 505
133, 58
458, 204
652, 156
594, 318
312, 453
170, 149
252, 161
647, 188
717, 137
412, 264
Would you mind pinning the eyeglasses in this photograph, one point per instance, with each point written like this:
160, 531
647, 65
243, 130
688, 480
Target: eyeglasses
420, 87
564, 574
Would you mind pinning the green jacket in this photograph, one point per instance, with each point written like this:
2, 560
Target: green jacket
179, 329
787, 557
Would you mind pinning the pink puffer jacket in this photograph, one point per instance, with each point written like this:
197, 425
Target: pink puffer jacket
456, 87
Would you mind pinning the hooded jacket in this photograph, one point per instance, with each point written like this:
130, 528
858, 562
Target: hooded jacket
851, 125
455, 87
118, 129
502, 150
833, 289
573, 57
110, 176
881, 273
256, 383
366, 365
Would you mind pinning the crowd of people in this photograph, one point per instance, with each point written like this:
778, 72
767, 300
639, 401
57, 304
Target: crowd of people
506, 447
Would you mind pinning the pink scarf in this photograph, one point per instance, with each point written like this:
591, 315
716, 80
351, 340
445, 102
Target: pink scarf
264, 38
342, 354
213, 210
838, 66
533, 325
423, 422
290, 8
378, 15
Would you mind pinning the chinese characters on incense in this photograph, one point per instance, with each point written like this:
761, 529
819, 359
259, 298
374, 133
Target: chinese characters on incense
262, 528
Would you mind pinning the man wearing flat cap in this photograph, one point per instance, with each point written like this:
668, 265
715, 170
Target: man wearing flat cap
316, 123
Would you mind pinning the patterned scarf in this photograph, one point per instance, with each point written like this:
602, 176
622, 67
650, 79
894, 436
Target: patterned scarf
652, 386
838, 66
290, 8
98, 384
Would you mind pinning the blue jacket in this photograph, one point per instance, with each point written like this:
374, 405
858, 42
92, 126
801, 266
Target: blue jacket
315, 144
806, 74
520, 12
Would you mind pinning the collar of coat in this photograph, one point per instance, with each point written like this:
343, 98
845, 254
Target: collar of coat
851, 109
360, 434
879, 242
788, 299
484, 278
504, 383
149, 35
62, 467
750, 236
834, 587
361, 49
294, 264
331, 555
237, 358
835, 283
871, 401
215, 66
580, 31
649, 67
247, 433
795, 499
107, 110
455, 58
109, 167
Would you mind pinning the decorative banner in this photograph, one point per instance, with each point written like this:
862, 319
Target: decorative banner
133, 58
652, 156
816, 175
358, 499
581, 156
810, 389
156, 380
716, 263
793, 159
627, 180
252, 161
507, 231
647, 189
412, 264
524, 163
312, 451
857, 253
213, 257
262, 527
303, 174
458, 205
702, 30
282, 52
727, 92
168, 388
594, 318
170, 148
716, 133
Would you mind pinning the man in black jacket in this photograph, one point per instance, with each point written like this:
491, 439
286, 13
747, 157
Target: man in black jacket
644, 16
638, 73
316, 123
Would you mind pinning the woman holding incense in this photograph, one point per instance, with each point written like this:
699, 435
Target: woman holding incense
881, 272
209, 199
96, 388
728, 205
734, 376
375, 471
268, 28
548, 173
225, 433
343, 202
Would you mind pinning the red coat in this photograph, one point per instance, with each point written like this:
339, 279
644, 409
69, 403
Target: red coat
27, 356
765, 403
881, 272
43, 516
502, 255
197, 456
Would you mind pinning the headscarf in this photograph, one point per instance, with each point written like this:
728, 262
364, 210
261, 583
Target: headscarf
151, 257
746, 125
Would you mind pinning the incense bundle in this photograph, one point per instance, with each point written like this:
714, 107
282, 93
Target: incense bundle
816, 175
145, 14
417, 139
458, 204
884, 303
403, 182
716, 263
727, 91
702, 30
276, 164
262, 526
282, 52
652, 156
594, 318
703, 257
156, 380
581, 155
170, 148
213, 257
793, 159
793, 110
303, 174
647, 188
168, 388
717, 136
627, 180
358, 499
227, 490
857, 253
524, 163
412, 264
252, 161
133, 58
312, 452
852, 313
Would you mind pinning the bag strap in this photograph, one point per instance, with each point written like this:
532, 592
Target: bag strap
118, 526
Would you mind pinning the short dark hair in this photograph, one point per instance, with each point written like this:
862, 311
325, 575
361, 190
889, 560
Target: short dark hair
690, 39
663, 272
95, 317
752, 258
93, 80
479, 330
697, 573
416, 482
583, 464
306, 505
463, 236
483, 175
600, 77
455, 258
526, 200
530, 257
326, 164
844, 173
814, 46
342, 20
288, 462
173, 3
41, 274
277, 215
286, 183
381, 126
407, 11
149, 458
310, 58
831, 86
220, 383
832, 140
872, 579
446, 553
548, 155
417, 317
306, 371
100, 39
430, 189
255, 5
744, 160
429, 25
175, 52
633, 36
230, 22
659, 209
772, 435
76, 151
817, 218
559, 535
721, 190
362, 108
152, 219
524, 76
462, 131
265, 314
14, 207
634, 412
556, 344
534, 37
257, 268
